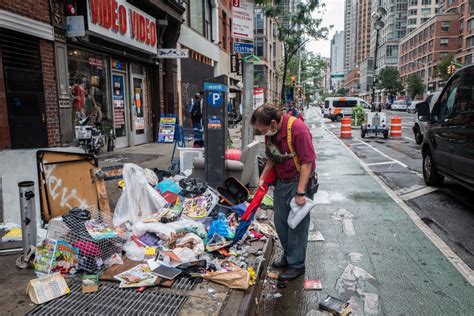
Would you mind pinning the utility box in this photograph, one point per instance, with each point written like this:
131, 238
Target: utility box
215, 129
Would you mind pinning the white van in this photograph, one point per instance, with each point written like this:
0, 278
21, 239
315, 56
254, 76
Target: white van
337, 107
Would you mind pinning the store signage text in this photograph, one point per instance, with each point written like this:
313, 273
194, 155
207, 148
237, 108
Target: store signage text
120, 21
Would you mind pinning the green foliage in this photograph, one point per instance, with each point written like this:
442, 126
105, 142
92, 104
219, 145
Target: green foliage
441, 69
358, 115
342, 92
389, 79
414, 86
295, 29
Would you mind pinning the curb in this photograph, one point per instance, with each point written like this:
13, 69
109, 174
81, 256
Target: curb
248, 302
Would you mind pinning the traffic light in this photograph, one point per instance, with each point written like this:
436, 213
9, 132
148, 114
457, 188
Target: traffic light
293, 80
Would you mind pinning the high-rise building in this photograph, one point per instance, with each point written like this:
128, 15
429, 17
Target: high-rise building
349, 30
465, 9
420, 11
337, 60
389, 37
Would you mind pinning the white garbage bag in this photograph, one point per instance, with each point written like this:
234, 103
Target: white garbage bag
297, 212
138, 198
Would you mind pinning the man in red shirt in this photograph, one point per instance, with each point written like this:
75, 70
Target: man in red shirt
295, 170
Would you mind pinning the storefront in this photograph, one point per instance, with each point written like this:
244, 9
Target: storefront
112, 74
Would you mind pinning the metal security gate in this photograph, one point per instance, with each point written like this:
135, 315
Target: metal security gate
21, 60
112, 300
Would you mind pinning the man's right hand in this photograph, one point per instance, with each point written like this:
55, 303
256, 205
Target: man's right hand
261, 183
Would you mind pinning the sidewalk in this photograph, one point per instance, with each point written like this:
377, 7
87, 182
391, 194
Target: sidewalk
373, 255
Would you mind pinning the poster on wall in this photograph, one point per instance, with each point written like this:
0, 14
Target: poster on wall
118, 105
167, 129
242, 19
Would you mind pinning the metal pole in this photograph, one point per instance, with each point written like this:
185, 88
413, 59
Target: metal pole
247, 132
375, 64
28, 214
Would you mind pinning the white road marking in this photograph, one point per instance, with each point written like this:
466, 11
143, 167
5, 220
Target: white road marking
409, 189
452, 257
383, 154
418, 193
407, 124
410, 139
381, 163
356, 144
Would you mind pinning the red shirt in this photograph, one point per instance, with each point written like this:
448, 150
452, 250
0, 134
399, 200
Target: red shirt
302, 141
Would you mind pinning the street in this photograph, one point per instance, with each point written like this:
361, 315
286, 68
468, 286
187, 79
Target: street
447, 210
376, 254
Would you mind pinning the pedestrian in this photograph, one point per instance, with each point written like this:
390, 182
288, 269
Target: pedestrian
196, 117
291, 154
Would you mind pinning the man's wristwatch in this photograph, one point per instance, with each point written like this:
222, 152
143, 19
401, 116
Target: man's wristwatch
300, 194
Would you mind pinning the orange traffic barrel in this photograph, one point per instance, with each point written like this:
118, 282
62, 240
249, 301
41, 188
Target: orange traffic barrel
396, 126
346, 129
232, 154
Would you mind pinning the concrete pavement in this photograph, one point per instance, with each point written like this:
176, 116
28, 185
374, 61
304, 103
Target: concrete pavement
374, 255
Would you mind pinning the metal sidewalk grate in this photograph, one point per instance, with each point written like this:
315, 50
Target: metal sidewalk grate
183, 284
111, 300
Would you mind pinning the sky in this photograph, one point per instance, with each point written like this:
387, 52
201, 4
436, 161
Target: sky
334, 15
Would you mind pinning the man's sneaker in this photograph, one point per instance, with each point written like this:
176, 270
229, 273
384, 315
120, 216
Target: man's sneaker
280, 264
291, 274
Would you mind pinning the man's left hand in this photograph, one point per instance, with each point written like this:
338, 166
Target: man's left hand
300, 200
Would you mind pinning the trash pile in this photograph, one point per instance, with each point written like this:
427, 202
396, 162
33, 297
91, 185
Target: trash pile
162, 229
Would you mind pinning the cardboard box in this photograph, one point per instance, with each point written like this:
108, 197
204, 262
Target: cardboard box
47, 288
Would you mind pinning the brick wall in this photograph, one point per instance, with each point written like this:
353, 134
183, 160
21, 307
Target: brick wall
34, 9
4, 128
50, 93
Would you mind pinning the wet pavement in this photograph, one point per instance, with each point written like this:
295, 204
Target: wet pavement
375, 254
448, 210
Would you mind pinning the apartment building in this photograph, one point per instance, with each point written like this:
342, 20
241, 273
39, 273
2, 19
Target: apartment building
420, 11
465, 8
421, 50
270, 51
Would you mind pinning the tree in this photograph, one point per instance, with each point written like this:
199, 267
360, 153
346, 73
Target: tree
341, 92
441, 69
294, 29
389, 79
414, 85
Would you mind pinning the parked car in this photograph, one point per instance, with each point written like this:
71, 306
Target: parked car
448, 142
418, 126
412, 107
337, 107
400, 105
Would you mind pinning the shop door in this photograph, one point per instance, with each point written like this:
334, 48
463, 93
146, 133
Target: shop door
24, 90
139, 108
120, 108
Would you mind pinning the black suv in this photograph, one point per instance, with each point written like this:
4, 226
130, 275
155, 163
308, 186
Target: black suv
448, 145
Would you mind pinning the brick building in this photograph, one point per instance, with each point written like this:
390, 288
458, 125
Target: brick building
28, 91
422, 49
465, 9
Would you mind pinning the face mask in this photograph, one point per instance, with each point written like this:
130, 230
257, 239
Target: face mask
270, 132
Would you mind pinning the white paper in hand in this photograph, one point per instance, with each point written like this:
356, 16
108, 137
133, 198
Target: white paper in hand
297, 212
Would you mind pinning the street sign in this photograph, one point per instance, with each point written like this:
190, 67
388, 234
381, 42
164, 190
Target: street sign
258, 97
172, 53
234, 64
241, 67
242, 19
243, 48
215, 98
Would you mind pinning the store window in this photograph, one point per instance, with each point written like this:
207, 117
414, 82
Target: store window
87, 85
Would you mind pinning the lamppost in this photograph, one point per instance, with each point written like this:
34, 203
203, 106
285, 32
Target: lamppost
378, 25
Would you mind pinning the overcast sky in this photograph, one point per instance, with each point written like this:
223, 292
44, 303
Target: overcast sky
334, 15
